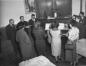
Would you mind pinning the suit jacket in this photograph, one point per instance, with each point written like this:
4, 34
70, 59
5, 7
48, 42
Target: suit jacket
83, 21
21, 25
11, 32
31, 22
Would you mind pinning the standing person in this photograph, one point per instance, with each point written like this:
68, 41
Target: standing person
32, 20
82, 26
82, 18
73, 20
31, 23
73, 36
11, 34
25, 43
56, 41
81, 43
39, 35
22, 23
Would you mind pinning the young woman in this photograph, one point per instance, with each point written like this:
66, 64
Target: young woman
55, 41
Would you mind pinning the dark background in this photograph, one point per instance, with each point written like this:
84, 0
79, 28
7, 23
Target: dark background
62, 9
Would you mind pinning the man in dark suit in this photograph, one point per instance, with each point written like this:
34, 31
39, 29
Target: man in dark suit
32, 20
11, 34
21, 23
31, 23
82, 26
82, 18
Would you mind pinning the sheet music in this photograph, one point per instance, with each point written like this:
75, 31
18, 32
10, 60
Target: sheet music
47, 25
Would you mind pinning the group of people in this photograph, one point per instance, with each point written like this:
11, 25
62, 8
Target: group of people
29, 37
76, 34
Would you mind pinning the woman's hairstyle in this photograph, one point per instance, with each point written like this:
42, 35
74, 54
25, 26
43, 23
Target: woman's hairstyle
54, 25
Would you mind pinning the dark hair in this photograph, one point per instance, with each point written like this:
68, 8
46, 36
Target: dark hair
33, 15
73, 23
21, 17
69, 26
53, 25
82, 13
10, 20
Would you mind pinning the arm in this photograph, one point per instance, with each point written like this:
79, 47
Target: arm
49, 36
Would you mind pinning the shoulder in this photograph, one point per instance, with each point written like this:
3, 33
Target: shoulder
25, 21
18, 23
7, 26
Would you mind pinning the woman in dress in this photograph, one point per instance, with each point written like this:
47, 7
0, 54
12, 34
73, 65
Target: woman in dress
56, 41
25, 43
39, 35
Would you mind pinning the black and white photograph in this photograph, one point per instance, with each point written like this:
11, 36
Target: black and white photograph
42, 32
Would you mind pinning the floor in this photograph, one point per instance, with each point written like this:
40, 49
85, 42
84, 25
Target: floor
7, 57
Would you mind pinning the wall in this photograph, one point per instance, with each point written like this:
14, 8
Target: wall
11, 9
75, 7
15, 8
83, 5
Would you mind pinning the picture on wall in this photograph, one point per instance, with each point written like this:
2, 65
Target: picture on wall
29, 6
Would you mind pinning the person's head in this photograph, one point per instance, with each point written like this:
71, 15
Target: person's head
81, 14
22, 18
11, 21
73, 17
33, 16
73, 24
54, 25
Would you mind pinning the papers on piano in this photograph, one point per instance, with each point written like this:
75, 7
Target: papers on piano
47, 25
61, 26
